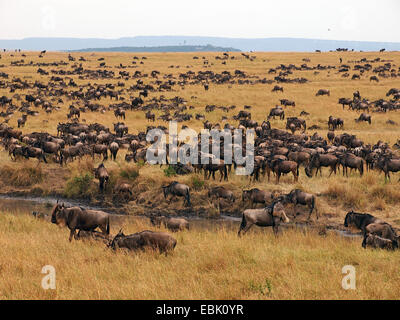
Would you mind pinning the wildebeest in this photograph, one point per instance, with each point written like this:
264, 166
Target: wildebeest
377, 242
173, 224
101, 173
364, 117
114, 147
177, 189
257, 196
383, 230
277, 88
146, 239
32, 152
349, 160
280, 167
221, 192
322, 160
360, 220
387, 165
322, 92
298, 196
277, 111
76, 218
270, 216
21, 121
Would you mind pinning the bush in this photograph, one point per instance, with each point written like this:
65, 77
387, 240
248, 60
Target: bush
79, 186
170, 172
197, 183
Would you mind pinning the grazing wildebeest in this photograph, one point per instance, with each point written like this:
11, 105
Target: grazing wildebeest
177, 189
257, 196
101, 173
377, 242
119, 113
360, 220
76, 218
345, 101
297, 196
114, 147
270, 216
100, 149
322, 160
221, 192
280, 167
21, 121
364, 117
322, 92
277, 88
276, 112
383, 230
374, 78
146, 239
173, 224
349, 160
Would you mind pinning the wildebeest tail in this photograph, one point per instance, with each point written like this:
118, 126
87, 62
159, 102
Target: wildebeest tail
243, 223
108, 225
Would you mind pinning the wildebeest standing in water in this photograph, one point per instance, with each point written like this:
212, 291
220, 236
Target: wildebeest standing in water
297, 197
101, 173
270, 216
145, 239
177, 189
173, 224
76, 218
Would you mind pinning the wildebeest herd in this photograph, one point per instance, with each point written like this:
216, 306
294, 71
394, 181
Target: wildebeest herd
282, 145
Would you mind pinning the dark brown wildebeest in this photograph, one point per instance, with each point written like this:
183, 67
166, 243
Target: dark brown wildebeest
383, 230
301, 157
374, 78
173, 224
280, 167
277, 88
331, 136
364, 117
150, 116
32, 152
334, 123
349, 160
297, 196
286, 102
21, 121
114, 147
257, 196
100, 149
123, 189
322, 92
177, 189
270, 216
160, 241
70, 153
221, 192
387, 165
377, 242
119, 113
345, 101
101, 173
211, 168
76, 218
360, 220
322, 160
276, 112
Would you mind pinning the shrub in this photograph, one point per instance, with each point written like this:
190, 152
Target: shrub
129, 173
170, 172
197, 183
79, 186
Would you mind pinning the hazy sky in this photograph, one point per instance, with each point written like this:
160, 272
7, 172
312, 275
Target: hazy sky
367, 20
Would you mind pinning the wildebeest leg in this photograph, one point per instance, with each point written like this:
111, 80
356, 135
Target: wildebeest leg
72, 234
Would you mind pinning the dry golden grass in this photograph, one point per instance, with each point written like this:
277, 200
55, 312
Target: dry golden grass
205, 265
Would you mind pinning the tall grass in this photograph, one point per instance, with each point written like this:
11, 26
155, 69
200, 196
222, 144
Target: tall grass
205, 265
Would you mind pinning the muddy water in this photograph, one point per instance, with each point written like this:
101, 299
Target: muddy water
26, 205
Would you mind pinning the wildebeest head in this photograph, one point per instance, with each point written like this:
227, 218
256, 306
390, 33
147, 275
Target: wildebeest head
348, 219
57, 212
113, 244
